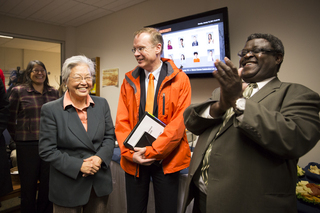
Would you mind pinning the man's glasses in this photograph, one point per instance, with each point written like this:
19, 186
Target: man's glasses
254, 51
37, 71
80, 78
139, 49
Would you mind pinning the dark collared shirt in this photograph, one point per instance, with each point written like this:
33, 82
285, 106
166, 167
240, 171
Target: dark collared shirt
25, 107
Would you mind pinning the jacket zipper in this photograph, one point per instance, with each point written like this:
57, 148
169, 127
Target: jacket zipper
163, 103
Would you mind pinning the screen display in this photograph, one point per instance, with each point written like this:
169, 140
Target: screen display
196, 41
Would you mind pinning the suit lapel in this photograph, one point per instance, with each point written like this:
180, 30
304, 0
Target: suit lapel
76, 127
93, 123
269, 88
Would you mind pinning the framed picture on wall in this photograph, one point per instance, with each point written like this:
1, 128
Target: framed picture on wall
96, 80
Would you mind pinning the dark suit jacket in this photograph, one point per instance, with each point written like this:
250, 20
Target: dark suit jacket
65, 143
253, 163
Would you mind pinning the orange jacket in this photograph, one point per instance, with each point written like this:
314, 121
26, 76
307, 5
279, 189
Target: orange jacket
171, 146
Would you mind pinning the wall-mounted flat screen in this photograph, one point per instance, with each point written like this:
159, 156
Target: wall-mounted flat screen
195, 42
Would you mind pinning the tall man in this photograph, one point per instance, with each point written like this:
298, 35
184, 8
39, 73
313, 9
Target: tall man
172, 95
247, 163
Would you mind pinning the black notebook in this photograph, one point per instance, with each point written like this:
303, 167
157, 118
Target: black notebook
145, 132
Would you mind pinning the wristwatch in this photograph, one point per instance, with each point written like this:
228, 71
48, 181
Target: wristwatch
240, 106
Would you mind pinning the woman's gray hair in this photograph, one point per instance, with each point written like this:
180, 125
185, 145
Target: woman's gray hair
74, 61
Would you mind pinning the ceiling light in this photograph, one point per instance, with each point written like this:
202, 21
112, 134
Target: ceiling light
9, 37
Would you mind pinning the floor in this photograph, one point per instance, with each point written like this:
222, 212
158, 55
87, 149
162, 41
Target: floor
11, 205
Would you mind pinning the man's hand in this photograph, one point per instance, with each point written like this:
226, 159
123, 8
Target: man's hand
230, 82
91, 165
139, 157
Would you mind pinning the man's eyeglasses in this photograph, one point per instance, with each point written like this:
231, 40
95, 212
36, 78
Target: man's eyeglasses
254, 51
139, 49
37, 71
80, 78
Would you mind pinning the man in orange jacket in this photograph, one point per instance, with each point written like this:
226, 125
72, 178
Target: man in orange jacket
170, 152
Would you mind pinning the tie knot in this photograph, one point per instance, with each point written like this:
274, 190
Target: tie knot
151, 77
253, 85
249, 89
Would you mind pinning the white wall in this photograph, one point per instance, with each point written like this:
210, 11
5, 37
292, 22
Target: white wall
296, 23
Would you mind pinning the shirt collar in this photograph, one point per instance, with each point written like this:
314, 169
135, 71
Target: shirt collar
67, 101
264, 82
155, 73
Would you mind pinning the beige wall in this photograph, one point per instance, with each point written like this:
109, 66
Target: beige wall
110, 38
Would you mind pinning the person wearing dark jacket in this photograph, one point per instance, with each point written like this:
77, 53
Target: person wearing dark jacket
251, 135
77, 139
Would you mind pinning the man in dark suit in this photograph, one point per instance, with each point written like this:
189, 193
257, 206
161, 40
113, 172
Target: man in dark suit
247, 163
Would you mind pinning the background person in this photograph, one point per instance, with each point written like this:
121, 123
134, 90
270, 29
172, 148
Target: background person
3, 79
172, 95
77, 139
5, 178
26, 101
16, 78
245, 160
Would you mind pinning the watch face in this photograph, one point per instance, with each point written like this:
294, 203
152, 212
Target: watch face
241, 103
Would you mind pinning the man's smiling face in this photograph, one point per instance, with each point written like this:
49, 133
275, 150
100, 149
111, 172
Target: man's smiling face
259, 66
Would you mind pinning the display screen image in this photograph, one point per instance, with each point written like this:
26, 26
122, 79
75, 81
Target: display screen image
196, 41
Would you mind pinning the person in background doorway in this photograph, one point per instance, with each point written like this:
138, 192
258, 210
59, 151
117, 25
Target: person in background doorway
26, 101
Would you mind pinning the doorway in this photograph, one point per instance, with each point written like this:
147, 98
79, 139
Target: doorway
17, 51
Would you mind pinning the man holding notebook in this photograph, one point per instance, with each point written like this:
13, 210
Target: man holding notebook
157, 86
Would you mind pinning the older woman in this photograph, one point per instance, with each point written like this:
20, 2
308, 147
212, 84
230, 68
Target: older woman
26, 101
77, 139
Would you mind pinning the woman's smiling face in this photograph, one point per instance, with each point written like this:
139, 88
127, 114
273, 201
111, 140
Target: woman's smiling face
38, 74
79, 82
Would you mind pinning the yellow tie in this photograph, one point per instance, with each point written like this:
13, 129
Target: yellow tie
150, 95
205, 162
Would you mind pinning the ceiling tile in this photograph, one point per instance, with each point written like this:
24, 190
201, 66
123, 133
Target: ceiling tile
60, 12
